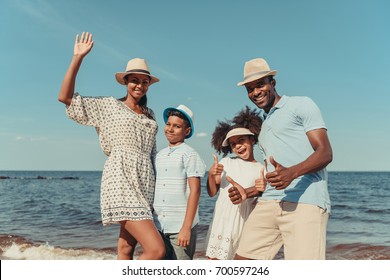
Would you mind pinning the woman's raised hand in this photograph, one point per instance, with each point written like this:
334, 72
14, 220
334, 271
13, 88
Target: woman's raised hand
83, 45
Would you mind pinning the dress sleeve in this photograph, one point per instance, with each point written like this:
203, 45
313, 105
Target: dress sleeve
85, 110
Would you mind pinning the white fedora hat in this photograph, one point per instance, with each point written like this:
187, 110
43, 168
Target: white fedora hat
186, 112
135, 66
235, 132
256, 69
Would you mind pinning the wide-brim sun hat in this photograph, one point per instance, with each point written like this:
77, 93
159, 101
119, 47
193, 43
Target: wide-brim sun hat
256, 69
236, 132
136, 66
186, 112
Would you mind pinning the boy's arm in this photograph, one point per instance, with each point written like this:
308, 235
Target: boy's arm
192, 206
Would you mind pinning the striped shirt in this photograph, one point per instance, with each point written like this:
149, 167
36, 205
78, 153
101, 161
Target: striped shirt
174, 165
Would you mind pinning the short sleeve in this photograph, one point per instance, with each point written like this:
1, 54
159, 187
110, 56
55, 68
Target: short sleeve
194, 165
85, 110
310, 115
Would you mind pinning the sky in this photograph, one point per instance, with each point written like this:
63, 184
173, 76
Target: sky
335, 52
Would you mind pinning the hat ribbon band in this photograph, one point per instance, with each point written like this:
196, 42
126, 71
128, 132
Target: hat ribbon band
256, 73
138, 70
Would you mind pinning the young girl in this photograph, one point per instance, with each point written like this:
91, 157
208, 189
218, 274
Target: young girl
127, 133
242, 171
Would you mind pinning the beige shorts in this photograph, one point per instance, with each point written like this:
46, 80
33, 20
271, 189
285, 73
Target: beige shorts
301, 228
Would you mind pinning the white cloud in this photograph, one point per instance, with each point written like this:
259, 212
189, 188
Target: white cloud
201, 134
31, 139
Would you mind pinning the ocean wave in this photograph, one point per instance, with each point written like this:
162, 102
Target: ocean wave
358, 251
39, 177
18, 248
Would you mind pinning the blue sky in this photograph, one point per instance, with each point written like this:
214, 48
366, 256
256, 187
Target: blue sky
336, 52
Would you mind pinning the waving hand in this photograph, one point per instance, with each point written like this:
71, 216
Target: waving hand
83, 45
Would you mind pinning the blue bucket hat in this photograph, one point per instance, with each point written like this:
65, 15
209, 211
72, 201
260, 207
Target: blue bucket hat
186, 112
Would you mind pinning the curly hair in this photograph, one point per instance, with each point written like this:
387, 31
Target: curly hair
249, 119
219, 135
246, 118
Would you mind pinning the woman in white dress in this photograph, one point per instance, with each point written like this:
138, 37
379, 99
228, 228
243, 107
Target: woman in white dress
242, 171
127, 132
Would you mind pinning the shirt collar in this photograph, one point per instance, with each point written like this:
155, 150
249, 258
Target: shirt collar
278, 105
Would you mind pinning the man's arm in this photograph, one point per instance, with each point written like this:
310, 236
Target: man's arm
319, 159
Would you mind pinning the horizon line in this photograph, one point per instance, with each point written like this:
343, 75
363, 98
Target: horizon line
100, 170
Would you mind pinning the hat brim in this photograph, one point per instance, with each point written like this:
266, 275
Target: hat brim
235, 132
256, 77
120, 77
165, 116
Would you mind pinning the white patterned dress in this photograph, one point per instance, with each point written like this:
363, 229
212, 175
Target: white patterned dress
228, 219
129, 141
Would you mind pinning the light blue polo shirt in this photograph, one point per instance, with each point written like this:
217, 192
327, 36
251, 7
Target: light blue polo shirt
283, 136
173, 166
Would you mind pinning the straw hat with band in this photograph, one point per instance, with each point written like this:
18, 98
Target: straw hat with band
235, 132
135, 66
256, 69
186, 112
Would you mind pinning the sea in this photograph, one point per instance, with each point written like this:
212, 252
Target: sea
55, 215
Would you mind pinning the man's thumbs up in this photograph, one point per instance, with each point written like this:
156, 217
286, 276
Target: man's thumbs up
273, 162
281, 177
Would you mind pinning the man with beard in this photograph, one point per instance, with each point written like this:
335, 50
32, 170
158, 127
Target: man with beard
294, 209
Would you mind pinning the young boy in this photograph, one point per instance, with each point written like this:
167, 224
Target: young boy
179, 170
